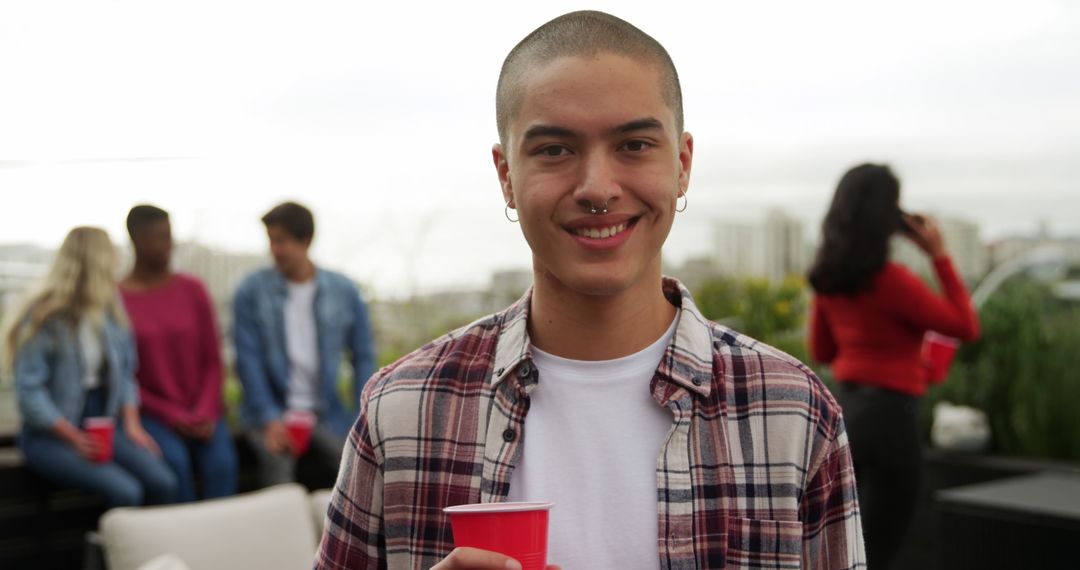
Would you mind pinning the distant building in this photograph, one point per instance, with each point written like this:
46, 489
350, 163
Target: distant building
970, 256
772, 249
695, 271
403, 325
20, 267
1008, 248
220, 271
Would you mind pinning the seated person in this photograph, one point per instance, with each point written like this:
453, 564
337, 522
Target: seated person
73, 358
180, 372
293, 323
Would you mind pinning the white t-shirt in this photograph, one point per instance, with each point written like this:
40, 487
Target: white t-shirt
302, 345
93, 353
592, 438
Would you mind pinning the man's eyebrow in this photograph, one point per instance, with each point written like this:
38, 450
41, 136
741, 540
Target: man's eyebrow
537, 131
645, 124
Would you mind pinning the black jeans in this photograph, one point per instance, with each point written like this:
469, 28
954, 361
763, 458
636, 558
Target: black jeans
883, 429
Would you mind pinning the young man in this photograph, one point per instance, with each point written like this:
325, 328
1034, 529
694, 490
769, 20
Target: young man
179, 372
666, 441
292, 324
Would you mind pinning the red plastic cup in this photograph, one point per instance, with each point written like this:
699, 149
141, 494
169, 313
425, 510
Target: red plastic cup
518, 530
101, 429
938, 351
299, 424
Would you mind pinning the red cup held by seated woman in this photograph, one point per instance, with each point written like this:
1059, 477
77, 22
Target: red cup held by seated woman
102, 429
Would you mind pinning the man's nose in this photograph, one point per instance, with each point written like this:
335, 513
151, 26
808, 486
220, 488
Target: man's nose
599, 185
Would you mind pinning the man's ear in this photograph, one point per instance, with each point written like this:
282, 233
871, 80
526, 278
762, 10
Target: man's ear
686, 161
502, 168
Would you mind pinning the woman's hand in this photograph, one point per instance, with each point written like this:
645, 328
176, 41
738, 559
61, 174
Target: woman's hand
476, 559
135, 432
924, 232
84, 444
202, 430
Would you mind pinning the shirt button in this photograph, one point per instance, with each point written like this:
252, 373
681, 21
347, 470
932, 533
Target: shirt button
509, 435
696, 381
524, 370
500, 371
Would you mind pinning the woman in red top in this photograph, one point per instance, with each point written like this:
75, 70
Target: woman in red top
868, 318
180, 371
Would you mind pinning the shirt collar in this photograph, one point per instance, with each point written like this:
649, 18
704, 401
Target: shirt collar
280, 283
687, 361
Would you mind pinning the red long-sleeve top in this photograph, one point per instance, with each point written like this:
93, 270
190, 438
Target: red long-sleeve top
875, 337
180, 372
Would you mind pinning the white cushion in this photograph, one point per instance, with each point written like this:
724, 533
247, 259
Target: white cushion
320, 502
165, 562
266, 529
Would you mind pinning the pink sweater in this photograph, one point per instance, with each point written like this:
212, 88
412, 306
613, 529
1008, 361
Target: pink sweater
179, 372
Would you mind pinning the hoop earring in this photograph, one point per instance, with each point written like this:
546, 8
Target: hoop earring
686, 202
506, 212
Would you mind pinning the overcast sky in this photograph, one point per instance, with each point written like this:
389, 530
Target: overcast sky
380, 116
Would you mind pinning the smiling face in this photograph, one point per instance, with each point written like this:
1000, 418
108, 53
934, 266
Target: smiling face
591, 132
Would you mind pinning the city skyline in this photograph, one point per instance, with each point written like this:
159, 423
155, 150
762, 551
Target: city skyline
773, 246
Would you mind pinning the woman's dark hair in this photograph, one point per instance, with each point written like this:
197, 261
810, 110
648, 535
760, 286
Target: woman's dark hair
864, 214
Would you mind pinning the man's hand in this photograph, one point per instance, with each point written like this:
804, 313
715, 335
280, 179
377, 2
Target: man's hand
276, 437
475, 559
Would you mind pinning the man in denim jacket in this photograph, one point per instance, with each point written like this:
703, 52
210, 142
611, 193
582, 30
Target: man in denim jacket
292, 324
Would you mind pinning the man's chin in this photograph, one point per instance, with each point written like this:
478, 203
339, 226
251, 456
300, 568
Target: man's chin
593, 283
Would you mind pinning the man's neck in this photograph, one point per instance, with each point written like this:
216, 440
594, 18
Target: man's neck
303, 274
597, 327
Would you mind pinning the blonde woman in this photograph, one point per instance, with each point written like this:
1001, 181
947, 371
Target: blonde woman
73, 358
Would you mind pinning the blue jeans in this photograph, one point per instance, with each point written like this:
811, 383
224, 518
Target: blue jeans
276, 468
134, 476
214, 460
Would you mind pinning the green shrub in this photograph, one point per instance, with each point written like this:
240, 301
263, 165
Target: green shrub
1024, 372
769, 312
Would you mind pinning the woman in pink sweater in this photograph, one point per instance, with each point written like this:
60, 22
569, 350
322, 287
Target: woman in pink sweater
180, 370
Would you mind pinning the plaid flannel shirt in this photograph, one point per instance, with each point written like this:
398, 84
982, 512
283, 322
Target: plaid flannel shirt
755, 472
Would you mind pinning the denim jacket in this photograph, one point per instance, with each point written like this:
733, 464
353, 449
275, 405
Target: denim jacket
48, 371
262, 361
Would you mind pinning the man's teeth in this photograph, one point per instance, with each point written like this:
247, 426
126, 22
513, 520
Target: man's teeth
600, 233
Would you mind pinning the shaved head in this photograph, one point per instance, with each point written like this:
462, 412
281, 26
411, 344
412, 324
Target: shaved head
581, 34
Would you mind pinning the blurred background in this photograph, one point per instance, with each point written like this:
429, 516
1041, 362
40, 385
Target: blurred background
380, 117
